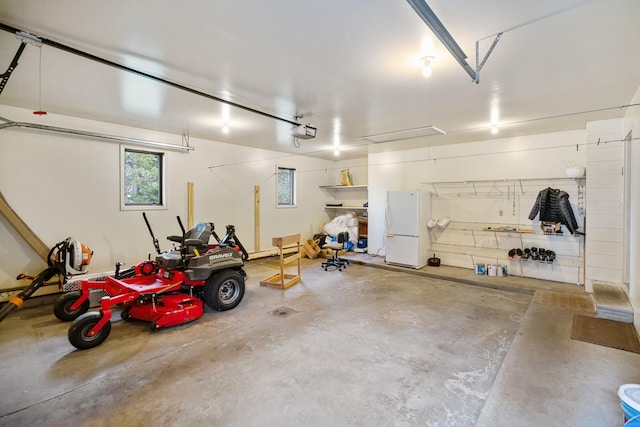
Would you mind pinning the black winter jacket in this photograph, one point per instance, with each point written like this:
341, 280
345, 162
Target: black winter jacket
554, 206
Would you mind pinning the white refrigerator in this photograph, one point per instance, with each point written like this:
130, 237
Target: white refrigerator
407, 236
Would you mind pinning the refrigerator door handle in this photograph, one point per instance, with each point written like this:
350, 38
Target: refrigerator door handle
387, 220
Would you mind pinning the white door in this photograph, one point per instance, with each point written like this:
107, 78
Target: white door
403, 212
402, 250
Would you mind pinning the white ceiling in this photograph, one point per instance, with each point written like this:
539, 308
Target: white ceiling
349, 67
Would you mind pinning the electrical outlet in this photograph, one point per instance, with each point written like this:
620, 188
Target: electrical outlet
500, 213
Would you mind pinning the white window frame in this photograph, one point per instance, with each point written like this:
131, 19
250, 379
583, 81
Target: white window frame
294, 187
163, 179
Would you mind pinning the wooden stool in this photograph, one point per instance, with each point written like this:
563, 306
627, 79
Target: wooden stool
284, 280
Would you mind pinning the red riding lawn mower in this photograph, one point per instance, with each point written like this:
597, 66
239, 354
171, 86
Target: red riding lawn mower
167, 291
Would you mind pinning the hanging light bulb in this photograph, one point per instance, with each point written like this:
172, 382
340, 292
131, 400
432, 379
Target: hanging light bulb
226, 116
337, 126
426, 65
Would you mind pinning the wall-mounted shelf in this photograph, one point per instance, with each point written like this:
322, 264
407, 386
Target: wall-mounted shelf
352, 197
345, 208
515, 229
501, 255
464, 244
500, 187
344, 187
566, 266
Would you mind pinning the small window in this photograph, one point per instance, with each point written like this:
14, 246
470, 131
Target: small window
286, 186
142, 179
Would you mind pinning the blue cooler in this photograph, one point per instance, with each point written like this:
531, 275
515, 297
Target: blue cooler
362, 243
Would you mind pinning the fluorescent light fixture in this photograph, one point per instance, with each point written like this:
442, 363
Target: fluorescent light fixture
495, 115
404, 134
495, 118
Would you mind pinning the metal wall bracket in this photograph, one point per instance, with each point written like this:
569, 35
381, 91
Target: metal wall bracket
479, 66
429, 17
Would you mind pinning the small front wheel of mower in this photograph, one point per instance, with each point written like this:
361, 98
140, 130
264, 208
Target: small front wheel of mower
124, 314
224, 291
62, 306
154, 326
79, 331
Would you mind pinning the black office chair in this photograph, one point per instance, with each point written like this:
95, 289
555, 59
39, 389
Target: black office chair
337, 246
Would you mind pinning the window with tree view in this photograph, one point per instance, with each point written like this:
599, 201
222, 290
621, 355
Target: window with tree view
286, 188
143, 178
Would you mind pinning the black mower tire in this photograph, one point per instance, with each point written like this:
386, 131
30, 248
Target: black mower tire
66, 300
78, 332
224, 290
124, 314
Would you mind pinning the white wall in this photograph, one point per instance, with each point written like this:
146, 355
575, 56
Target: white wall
632, 124
64, 185
530, 157
605, 188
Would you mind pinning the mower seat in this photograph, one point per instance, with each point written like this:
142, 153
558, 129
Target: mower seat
195, 238
174, 259
200, 231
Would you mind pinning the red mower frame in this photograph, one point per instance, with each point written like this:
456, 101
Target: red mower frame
167, 291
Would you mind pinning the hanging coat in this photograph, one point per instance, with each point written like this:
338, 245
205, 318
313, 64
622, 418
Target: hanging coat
554, 206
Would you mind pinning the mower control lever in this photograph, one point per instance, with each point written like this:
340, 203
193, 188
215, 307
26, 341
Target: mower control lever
155, 241
181, 226
119, 265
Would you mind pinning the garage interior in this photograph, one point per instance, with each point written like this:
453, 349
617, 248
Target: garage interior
288, 119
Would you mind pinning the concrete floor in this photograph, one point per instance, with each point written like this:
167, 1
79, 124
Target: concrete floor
364, 346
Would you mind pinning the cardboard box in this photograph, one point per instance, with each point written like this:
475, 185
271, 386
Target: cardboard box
550, 227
